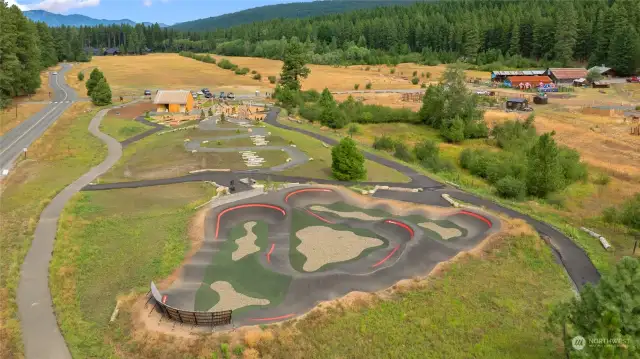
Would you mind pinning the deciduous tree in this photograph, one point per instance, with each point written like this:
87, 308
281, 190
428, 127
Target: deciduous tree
347, 162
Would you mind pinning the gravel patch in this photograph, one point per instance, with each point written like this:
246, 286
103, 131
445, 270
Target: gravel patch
322, 245
231, 300
444, 232
356, 215
246, 244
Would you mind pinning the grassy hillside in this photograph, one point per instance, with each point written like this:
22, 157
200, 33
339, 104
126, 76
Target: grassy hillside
291, 10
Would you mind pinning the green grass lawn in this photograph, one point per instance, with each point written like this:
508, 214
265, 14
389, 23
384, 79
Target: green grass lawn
493, 307
110, 243
65, 152
320, 167
121, 129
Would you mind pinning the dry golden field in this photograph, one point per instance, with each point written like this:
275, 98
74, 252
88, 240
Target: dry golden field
129, 75
9, 120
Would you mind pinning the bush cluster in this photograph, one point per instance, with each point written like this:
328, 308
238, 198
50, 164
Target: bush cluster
530, 164
203, 58
272, 79
227, 65
242, 71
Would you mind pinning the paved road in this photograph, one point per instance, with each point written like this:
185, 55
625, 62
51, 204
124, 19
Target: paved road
40, 331
22, 136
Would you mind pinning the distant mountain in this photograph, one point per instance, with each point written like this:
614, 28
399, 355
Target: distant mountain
56, 20
291, 10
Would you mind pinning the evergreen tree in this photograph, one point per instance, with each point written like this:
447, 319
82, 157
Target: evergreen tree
544, 173
101, 94
470, 38
514, 45
294, 66
607, 311
347, 162
624, 50
95, 77
566, 32
326, 99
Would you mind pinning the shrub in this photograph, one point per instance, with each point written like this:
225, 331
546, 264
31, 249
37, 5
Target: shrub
238, 350
602, 179
310, 95
80, 76
226, 64
510, 187
257, 77
354, 129
224, 348
422, 75
333, 117
392, 71
402, 152
356, 87
427, 153
367, 68
272, 79
415, 73
415, 80
368, 86
384, 143
454, 131
572, 169
428, 75
311, 112
347, 162
242, 71
423, 86
254, 72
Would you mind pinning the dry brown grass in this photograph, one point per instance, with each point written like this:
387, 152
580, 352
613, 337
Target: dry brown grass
130, 75
8, 119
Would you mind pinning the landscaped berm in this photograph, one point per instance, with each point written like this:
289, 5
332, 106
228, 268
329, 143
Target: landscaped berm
275, 256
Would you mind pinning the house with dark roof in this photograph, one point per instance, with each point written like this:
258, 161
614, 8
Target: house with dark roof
604, 71
113, 51
173, 101
92, 51
566, 76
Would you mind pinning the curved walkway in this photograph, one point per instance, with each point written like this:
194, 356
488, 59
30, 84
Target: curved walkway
40, 331
297, 157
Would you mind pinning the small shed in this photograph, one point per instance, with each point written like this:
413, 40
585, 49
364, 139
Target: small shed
173, 101
600, 85
606, 72
113, 51
566, 76
518, 104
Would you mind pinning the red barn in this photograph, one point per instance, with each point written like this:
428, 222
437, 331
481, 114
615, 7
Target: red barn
528, 81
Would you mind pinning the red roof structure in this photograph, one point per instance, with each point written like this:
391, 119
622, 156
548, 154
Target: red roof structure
568, 73
533, 80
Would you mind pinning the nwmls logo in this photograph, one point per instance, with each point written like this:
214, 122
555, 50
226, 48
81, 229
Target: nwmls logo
578, 342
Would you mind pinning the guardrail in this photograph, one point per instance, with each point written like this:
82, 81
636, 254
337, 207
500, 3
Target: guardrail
193, 318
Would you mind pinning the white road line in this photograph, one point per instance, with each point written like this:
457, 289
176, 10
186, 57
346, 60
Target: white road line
66, 95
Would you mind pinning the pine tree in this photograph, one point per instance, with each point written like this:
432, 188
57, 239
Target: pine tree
566, 32
27, 80
514, 45
294, 66
326, 99
470, 39
544, 173
101, 94
347, 162
95, 77
624, 50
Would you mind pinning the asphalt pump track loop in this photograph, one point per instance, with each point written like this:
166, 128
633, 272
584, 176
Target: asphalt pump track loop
408, 250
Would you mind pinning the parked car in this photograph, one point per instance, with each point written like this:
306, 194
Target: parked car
205, 90
208, 95
147, 92
221, 94
231, 96
634, 79
199, 93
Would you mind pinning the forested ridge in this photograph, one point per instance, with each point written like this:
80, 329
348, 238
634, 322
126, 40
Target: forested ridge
489, 34
283, 11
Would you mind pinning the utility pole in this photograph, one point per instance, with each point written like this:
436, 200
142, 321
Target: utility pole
636, 235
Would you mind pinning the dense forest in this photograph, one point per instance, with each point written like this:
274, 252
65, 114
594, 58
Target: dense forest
489, 34
283, 11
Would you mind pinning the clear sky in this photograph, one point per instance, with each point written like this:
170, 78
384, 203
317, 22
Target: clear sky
164, 11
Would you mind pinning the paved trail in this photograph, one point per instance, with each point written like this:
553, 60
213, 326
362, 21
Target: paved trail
41, 334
